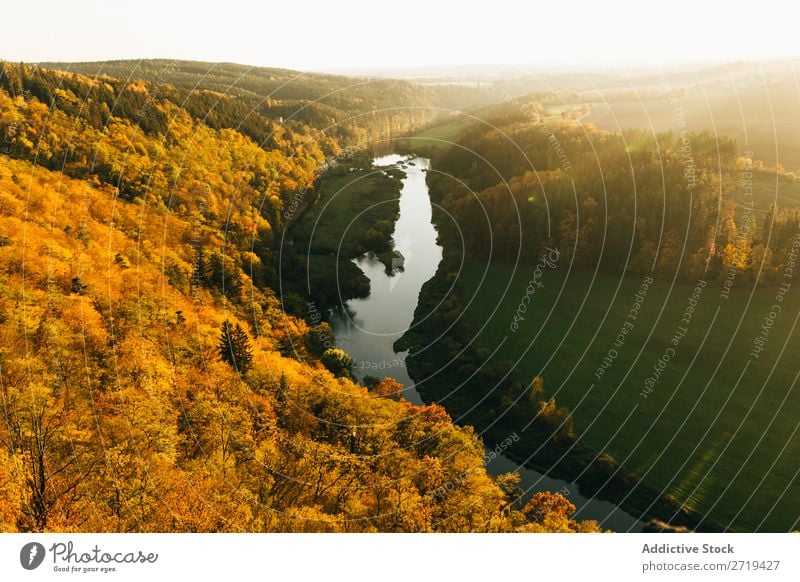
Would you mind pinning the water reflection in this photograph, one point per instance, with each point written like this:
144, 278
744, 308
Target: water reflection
367, 328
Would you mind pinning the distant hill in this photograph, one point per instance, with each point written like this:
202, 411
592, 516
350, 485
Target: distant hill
350, 110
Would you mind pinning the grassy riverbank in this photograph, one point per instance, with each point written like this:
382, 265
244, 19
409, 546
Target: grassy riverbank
684, 402
680, 416
352, 211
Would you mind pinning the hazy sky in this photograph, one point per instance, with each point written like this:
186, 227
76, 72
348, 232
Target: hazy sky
314, 35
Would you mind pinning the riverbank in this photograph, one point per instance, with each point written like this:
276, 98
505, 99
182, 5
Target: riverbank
367, 328
350, 212
709, 420
453, 369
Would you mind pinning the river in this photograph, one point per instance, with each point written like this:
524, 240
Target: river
368, 327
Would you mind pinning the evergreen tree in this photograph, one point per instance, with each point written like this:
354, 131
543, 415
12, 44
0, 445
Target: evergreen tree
235, 348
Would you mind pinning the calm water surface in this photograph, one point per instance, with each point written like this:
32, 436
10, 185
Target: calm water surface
367, 328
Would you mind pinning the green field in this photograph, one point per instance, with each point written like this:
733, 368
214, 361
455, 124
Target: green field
719, 430
440, 136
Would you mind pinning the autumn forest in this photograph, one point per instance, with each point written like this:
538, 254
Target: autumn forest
188, 252
150, 379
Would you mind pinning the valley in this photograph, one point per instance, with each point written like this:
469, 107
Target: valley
574, 305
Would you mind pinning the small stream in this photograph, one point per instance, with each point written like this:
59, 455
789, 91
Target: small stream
367, 328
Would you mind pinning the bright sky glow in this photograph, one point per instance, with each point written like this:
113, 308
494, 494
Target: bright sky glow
316, 35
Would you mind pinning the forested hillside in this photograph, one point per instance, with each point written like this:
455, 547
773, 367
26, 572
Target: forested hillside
572, 262
676, 205
150, 380
341, 111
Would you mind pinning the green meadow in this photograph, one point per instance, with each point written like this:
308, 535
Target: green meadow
439, 136
683, 400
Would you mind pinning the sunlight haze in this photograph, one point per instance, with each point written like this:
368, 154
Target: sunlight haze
369, 35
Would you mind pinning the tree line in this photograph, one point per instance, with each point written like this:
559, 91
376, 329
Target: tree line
676, 205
